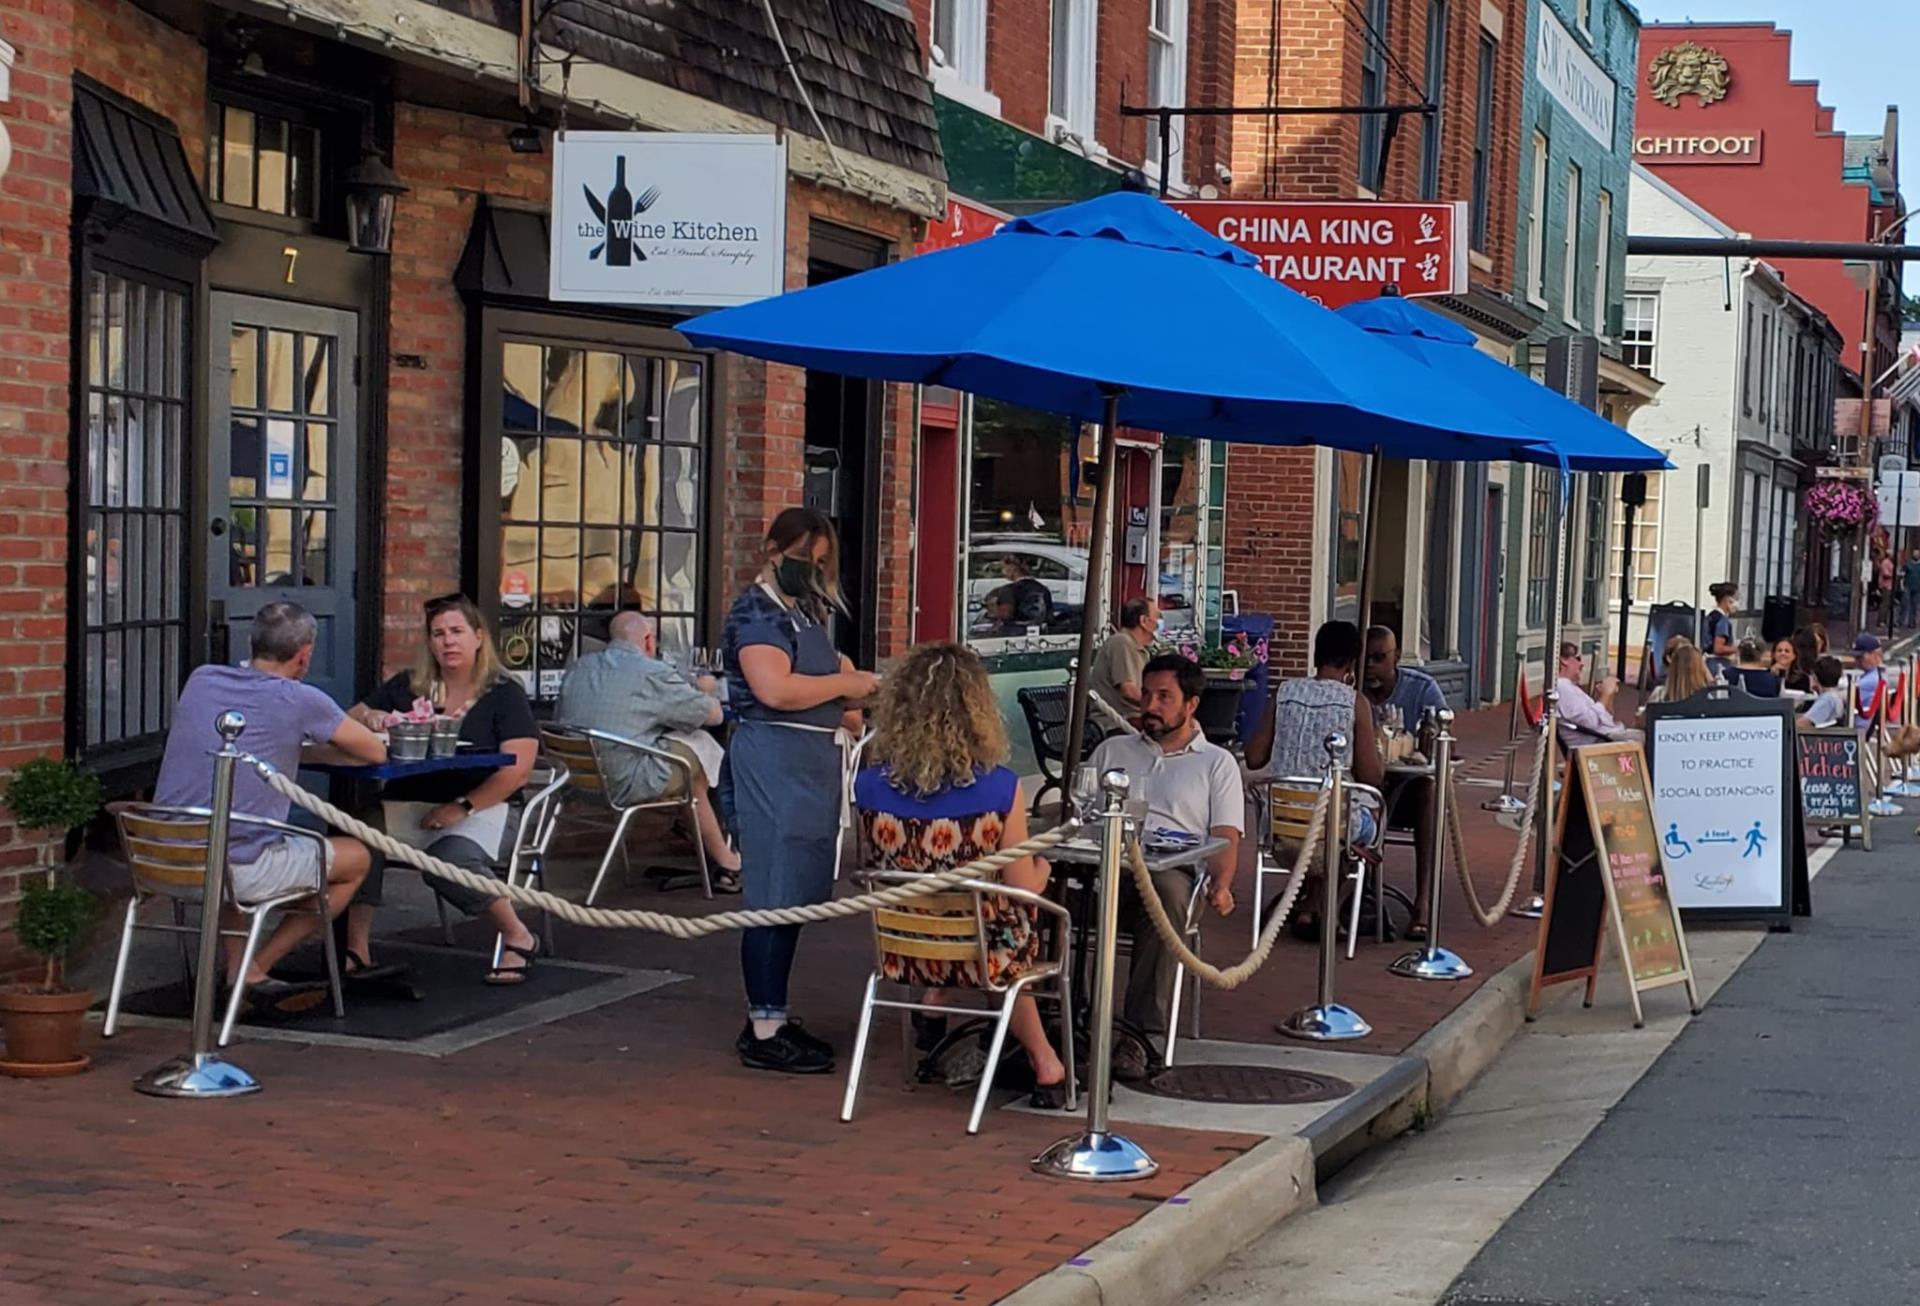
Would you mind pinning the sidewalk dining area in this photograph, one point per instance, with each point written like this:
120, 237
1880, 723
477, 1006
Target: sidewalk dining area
599, 1143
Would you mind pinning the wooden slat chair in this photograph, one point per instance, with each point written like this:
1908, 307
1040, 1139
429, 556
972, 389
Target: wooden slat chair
951, 926
1290, 801
583, 754
166, 852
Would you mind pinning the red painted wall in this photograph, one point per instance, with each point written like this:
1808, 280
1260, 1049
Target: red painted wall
1797, 190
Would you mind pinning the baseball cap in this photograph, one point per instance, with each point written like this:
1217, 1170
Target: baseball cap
1865, 643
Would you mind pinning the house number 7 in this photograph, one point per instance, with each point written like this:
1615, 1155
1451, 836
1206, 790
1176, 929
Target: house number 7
292, 255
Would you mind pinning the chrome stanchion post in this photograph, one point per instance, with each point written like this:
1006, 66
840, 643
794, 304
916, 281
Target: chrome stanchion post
1506, 804
1434, 962
1326, 1021
1536, 904
202, 1072
1100, 1154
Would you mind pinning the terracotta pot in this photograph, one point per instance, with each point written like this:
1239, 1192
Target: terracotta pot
43, 1029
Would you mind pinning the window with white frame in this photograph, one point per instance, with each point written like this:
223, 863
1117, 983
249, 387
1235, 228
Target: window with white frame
1645, 544
1070, 104
1570, 260
1640, 332
1166, 81
959, 53
1537, 223
1602, 257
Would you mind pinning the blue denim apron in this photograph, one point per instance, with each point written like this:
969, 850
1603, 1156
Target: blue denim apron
787, 788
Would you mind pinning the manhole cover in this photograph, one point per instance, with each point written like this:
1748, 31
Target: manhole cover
1246, 1085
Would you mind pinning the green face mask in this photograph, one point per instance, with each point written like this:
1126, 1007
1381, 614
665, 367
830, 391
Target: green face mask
796, 577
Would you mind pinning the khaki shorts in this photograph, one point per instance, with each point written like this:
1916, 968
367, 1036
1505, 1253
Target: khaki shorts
289, 865
676, 786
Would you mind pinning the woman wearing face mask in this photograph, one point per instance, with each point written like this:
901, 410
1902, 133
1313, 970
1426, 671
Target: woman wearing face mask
789, 688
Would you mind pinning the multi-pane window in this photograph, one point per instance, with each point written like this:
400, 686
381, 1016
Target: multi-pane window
1570, 256
259, 161
1645, 544
1436, 90
1540, 566
285, 418
1070, 99
1594, 568
1373, 92
1483, 139
1537, 223
133, 634
960, 40
1166, 77
1640, 332
1602, 259
601, 487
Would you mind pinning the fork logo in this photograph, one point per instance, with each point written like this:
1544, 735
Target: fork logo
618, 233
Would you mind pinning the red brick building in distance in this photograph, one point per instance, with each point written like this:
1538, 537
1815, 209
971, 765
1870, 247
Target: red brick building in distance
1721, 119
209, 398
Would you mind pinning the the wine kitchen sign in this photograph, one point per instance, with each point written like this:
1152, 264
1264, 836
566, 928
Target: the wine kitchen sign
667, 218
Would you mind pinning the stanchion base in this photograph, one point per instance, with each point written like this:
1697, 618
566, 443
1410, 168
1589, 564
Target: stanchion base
1884, 807
1533, 908
1432, 963
1102, 1158
1329, 1024
1505, 804
197, 1076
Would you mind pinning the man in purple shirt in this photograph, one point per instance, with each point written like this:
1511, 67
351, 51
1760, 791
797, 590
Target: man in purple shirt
283, 715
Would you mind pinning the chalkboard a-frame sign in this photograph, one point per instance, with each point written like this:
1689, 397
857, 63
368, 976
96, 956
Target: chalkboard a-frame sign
1608, 868
1727, 795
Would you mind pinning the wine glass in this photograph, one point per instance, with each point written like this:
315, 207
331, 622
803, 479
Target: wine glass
1086, 794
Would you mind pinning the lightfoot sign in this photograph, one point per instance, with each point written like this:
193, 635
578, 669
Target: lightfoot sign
1340, 253
667, 218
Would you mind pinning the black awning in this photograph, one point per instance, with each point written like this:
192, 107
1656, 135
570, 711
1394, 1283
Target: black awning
129, 163
506, 254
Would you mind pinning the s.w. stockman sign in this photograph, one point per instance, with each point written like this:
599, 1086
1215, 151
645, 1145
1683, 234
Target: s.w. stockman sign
664, 218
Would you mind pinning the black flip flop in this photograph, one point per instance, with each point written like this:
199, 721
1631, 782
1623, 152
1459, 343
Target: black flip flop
1048, 1097
503, 976
284, 997
726, 881
355, 968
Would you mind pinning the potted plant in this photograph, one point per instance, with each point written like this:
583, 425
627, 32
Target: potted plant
43, 1020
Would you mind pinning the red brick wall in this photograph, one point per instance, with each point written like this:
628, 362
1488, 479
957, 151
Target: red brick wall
35, 203
130, 51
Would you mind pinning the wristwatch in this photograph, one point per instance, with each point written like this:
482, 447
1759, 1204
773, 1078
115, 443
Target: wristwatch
466, 803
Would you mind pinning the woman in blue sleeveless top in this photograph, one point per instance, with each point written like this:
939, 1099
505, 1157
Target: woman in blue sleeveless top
789, 687
938, 794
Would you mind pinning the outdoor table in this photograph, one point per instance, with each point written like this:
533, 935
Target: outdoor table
1077, 890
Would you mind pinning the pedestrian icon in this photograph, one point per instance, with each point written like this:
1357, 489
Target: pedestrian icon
1756, 843
1676, 846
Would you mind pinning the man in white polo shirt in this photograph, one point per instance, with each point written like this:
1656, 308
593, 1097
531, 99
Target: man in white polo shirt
1192, 786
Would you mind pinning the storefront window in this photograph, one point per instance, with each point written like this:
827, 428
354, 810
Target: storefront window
1349, 513
1539, 560
132, 476
1183, 562
1029, 522
600, 499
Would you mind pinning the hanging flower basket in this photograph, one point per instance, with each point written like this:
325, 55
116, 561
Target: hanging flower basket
1842, 507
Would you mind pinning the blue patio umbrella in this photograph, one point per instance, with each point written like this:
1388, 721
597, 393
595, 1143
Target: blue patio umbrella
1588, 441
1123, 299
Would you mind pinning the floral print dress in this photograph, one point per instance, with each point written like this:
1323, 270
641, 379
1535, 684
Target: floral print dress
908, 832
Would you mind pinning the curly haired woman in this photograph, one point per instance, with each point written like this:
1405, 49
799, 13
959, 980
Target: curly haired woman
937, 793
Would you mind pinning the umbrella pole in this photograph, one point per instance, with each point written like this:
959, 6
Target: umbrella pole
1099, 545
1369, 545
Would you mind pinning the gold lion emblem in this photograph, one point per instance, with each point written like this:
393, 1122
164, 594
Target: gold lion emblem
1689, 69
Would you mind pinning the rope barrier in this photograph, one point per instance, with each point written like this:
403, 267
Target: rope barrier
1489, 917
1233, 976
679, 927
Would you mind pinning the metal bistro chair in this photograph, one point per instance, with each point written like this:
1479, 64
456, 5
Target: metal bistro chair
1046, 708
582, 753
166, 852
951, 926
538, 812
1089, 935
1290, 801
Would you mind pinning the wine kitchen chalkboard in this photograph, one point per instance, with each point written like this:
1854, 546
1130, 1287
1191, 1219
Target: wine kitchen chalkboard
1832, 791
1609, 867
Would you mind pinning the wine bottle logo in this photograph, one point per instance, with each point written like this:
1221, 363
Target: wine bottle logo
617, 244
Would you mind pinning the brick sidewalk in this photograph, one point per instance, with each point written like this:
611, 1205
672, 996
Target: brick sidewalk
622, 1155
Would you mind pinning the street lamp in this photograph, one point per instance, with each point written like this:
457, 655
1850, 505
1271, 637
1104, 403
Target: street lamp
373, 192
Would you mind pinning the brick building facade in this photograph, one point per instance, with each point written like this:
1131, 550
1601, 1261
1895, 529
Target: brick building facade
185, 168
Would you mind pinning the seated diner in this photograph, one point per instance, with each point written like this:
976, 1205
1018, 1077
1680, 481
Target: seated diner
459, 816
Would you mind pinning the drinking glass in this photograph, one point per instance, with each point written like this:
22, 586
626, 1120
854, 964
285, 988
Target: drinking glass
1086, 794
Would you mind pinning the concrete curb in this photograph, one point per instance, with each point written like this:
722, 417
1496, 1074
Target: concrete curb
1159, 1258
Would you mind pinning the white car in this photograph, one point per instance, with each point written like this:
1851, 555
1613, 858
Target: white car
1062, 569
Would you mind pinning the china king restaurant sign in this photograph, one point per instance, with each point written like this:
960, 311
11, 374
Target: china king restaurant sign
1341, 252
1335, 253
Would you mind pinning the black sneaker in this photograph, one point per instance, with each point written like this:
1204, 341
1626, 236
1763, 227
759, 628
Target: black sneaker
797, 1031
1130, 1063
782, 1052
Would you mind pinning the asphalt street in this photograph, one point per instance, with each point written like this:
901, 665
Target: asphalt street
1772, 1154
